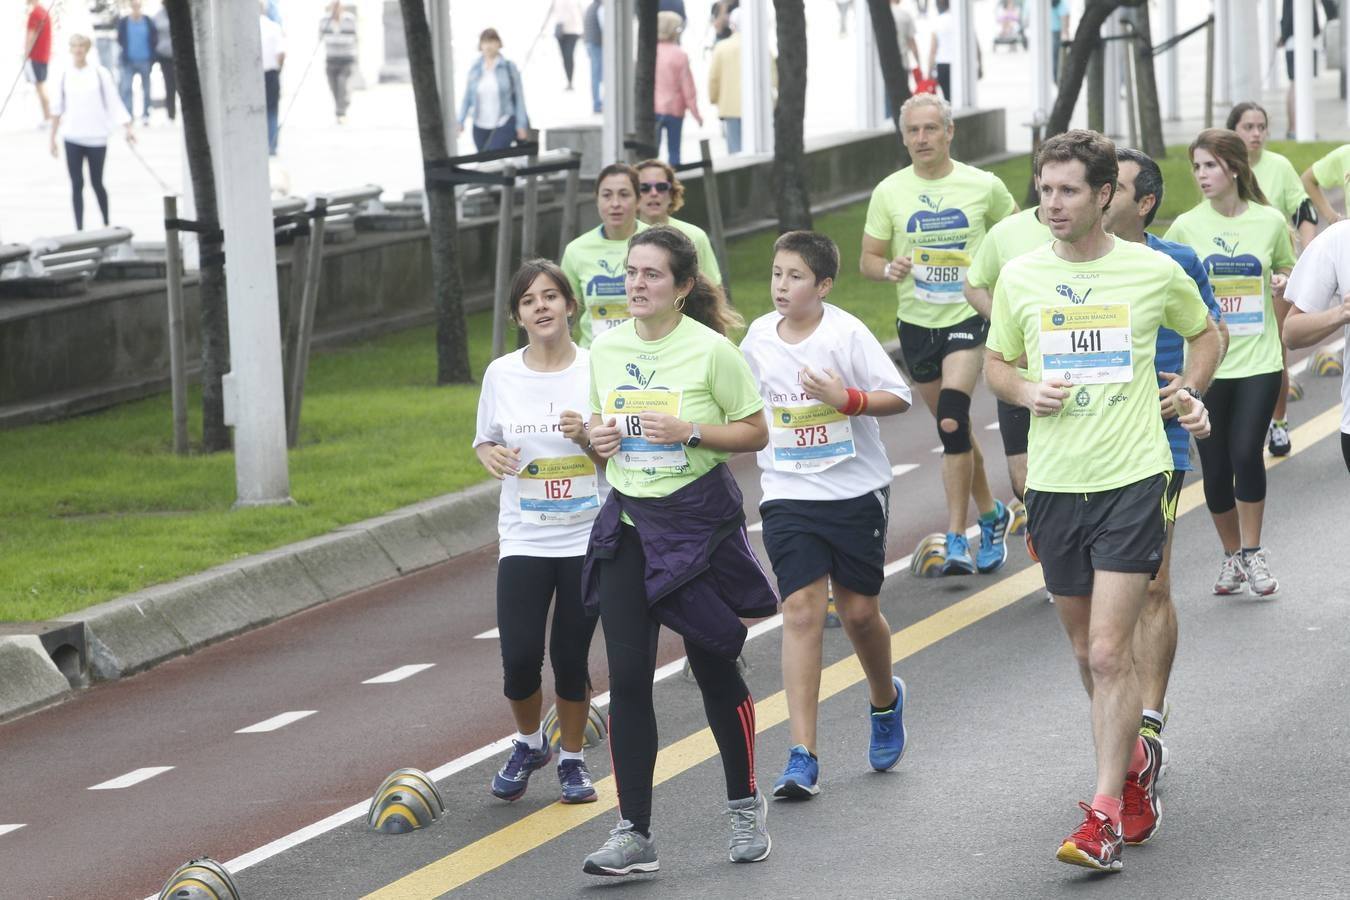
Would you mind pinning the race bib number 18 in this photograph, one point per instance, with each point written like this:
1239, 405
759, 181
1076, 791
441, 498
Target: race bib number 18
635, 451
558, 491
1088, 344
938, 274
1243, 303
808, 439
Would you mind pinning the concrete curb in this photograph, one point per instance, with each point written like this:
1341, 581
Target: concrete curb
28, 677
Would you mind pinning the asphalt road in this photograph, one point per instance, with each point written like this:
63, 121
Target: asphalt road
1000, 746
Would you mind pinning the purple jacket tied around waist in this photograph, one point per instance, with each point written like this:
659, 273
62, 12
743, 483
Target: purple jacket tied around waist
702, 577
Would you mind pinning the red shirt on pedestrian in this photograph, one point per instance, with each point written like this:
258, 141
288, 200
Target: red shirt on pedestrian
41, 22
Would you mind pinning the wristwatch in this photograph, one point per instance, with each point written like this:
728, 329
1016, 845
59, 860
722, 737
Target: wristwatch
695, 437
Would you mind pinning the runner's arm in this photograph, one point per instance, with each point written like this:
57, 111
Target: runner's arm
578, 430
747, 435
1319, 199
876, 262
1043, 398
980, 299
1202, 358
605, 436
1307, 329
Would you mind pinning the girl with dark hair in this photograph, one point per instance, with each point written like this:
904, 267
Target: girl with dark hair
671, 400
550, 495
594, 261
1245, 247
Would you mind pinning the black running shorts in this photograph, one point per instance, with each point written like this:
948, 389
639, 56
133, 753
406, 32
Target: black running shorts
845, 539
923, 349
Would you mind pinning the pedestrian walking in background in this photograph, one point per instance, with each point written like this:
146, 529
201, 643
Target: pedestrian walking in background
673, 6
1286, 35
37, 48
137, 36
724, 81
942, 48
164, 59
273, 58
568, 26
86, 103
338, 32
593, 32
494, 97
1059, 26
675, 93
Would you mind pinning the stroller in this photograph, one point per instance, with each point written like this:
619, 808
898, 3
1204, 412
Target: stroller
1010, 16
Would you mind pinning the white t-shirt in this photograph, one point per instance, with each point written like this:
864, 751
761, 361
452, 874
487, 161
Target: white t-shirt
548, 508
1320, 281
273, 44
944, 28
89, 105
814, 452
488, 112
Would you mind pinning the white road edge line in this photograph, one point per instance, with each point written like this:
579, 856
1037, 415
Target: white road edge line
277, 722
400, 673
6, 829
131, 778
490, 635
474, 757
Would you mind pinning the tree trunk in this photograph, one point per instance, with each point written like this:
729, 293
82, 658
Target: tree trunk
1096, 89
447, 283
644, 77
201, 169
892, 58
1146, 87
789, 169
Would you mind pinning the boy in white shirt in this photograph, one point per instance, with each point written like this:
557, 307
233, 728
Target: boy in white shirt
826, 484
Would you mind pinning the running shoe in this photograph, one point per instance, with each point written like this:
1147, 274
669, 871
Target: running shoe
958, 561
888, 732
1232, 577
749, 829
624, 853
1256, 567
1277, 437
576, 782
801, 777
1142, 811
993, 552
510, 782
1095, 845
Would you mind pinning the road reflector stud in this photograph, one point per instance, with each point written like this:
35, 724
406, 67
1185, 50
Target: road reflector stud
200, 879
1295, 390
929, 556
1326, 363
406, 801
594, 735
1019, 517
831, 613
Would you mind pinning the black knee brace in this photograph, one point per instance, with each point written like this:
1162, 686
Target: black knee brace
1306, 213
954, 405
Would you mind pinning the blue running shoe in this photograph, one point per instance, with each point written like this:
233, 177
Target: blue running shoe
510, 782
801, 777
576, 782
958, 560
888, 732
993, 552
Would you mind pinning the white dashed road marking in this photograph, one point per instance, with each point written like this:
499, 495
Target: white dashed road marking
276, 722
6, 829
400, 673
490, 635
131, 778
897, 471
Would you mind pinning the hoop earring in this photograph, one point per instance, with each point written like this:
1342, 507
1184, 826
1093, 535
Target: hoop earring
679, 304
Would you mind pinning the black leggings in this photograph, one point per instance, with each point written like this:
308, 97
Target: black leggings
567, 44
76, 154
525, 588
1345, 448
630, 643
1231, 458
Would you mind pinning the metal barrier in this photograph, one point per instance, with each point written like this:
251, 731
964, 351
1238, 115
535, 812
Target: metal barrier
75, 255
12, 253
344, 207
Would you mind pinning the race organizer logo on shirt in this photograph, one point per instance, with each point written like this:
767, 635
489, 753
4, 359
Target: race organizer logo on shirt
559, 490
606, 296
939, 256
635, 451
808, 439
1089, 344
1238, 288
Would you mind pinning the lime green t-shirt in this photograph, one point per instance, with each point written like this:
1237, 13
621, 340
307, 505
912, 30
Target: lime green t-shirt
1279, 182
1239, 254
707, 260
1096, 322
1330, 170
939, 224
595, 266
1008, 239
694, 374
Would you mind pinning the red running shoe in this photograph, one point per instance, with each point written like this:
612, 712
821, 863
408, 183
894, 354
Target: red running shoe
1095, 845
1142, 813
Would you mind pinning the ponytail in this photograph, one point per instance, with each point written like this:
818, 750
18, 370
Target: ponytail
707, 305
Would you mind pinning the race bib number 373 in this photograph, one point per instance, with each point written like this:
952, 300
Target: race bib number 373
1088, 344
635, 450
809, 439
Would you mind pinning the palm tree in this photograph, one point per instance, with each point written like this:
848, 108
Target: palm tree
447, 283
791, 192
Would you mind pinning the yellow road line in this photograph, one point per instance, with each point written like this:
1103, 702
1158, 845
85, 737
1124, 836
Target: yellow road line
540, 827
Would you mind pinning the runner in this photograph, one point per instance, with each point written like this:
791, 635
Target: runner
671, 400
1139, 193
1332, 170
661, 196
923, 224
1280, 183
550, 495
1319, 289
1098, 459
826, 493
1245, 247
594, 261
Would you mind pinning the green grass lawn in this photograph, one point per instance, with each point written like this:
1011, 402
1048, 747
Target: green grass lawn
98, 506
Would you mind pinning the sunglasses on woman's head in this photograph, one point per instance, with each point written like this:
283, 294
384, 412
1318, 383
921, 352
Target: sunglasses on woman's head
660, 187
